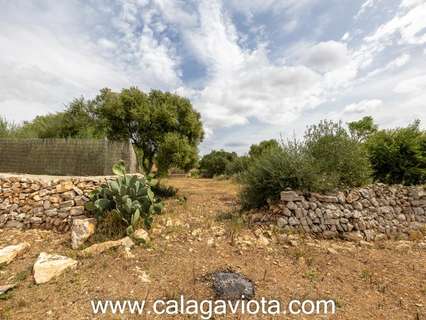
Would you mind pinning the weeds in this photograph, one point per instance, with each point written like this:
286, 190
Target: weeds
21, 276
233, 227
366, 275
312, 275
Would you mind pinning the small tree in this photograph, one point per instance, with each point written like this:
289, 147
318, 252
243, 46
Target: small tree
216, 162
399, 155
340, 160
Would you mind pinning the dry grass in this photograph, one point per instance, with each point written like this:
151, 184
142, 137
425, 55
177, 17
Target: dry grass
367, 283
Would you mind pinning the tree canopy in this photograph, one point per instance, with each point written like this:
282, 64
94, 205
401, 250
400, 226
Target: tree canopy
360, 130
258, 149
163, 126
216, 163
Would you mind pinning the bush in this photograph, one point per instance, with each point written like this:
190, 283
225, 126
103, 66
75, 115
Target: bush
129, 198
237, 166
338, 160
326, 160
163, 191
274, 172
398, 156
216, 162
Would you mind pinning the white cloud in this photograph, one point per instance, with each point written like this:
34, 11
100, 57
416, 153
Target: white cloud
363, 106
45, 63
407, 27
243, 76
412, 85
245, 83
368, 4
397, 63
346, 36
326, 56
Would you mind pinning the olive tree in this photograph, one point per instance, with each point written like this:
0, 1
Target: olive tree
164, 127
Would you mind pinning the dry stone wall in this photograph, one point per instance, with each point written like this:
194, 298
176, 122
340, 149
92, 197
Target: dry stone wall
372, 213
31, 203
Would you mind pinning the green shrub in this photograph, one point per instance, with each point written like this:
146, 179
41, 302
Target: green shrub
237, 166
326, 159
216, 162
273, 172
130, 198
398, 156
163, 191
338, 160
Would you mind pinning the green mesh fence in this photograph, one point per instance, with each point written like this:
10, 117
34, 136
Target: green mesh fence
77, 157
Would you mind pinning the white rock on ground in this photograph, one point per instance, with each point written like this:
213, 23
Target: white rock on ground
4, 289
98, 248
81, 230
49, 266
9, 253
141, 235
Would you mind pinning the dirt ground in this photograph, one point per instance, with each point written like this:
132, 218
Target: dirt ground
197, 235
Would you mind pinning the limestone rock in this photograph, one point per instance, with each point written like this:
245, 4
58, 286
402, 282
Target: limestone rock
4, 289
332, 251
262, 241
49, 266
141, 235
353, 236
290, 196
403, 246
9, 253
81, 230
64, 186
99, 248
282, 222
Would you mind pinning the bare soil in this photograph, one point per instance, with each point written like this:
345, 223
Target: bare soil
198, 235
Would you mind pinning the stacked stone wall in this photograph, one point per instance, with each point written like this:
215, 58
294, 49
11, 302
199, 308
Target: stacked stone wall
52, 204
372, 213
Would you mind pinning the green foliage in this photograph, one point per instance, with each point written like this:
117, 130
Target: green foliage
75, 122
163, 126
338, 160
176, 151
79, 121
327, 159
237, 166
257, 150
7, 129
362, 129
216, 162
399, 155
273, 172
163, 191
128, 197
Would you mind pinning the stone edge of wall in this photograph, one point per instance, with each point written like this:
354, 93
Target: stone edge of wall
31, 202
371, 213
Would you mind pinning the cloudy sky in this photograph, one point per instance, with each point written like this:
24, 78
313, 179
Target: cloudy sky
254, 69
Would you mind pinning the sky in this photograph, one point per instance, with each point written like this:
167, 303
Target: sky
254, 69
